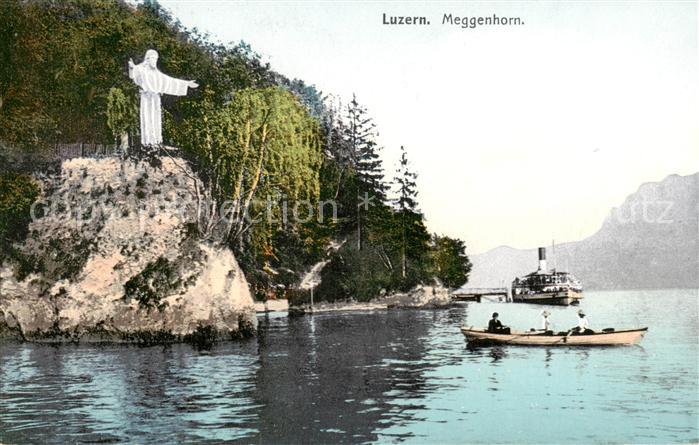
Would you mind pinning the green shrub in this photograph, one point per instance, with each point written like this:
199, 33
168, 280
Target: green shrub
156, 280
17, 194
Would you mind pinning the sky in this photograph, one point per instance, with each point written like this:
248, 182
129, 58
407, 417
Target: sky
521, 135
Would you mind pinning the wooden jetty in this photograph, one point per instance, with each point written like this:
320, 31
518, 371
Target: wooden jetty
475, 293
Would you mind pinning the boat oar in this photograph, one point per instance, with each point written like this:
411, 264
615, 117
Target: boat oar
565, 339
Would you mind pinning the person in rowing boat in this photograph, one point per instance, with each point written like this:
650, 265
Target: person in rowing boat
546, 323
496, 327
583, 327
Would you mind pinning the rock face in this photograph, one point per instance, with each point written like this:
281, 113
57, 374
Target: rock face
112, 256
420, 297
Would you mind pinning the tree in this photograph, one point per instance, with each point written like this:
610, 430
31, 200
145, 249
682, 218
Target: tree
451, 265
359, 135
121, 116
262, 143
412, 233
405, 181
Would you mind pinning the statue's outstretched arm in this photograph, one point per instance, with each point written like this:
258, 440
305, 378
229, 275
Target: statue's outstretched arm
132, 66
177, 87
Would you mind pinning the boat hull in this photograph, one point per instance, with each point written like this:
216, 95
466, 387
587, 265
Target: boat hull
627, 337
564, 297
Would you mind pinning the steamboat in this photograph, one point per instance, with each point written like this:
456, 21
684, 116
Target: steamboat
544, 287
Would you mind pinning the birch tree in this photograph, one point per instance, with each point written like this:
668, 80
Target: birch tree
261, 143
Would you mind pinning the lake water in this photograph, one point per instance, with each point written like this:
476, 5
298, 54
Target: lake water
388, 376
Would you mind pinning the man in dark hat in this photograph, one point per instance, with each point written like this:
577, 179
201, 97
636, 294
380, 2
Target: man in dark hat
583, 327
495, 327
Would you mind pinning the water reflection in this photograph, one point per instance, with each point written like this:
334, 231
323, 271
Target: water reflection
58, 394
334, 370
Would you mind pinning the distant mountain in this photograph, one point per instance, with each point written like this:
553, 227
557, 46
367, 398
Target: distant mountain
650, 241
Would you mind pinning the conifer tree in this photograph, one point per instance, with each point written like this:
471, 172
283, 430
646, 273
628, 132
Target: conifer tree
405, 182
412, 233
359, 135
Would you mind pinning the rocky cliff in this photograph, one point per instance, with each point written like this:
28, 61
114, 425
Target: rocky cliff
649, 241
112, 255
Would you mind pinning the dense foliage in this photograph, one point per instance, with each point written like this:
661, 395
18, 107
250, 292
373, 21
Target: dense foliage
262, 142
121, 115
17, 194
266, 149
451, 265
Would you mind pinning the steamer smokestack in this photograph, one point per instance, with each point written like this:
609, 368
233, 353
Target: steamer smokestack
542, 259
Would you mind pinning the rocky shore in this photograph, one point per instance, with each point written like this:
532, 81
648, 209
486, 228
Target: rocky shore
420, 297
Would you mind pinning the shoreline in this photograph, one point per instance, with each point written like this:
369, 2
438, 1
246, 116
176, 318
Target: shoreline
345, 306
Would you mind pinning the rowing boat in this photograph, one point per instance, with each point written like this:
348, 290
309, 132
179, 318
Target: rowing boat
604, 338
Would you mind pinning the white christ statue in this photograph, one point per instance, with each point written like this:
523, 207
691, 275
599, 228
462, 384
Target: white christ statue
153, 83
